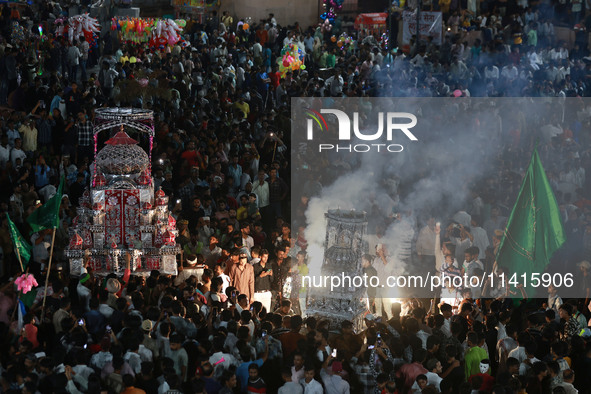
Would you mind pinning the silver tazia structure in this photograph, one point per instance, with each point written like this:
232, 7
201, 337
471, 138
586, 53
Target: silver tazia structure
121, 214
345, 243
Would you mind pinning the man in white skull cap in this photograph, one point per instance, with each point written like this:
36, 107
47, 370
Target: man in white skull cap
190, 268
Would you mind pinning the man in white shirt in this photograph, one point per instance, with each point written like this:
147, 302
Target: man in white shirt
518, 353
4, 151
39, 241
47, 192
212, 252
16, 202
510, 72
297, 370
554, 301
102, 358
257, 52
82, 372
17, 153
472, 267
220, 360
12, 133
289, 387
73, 57
288, 39
435, 368
133, 358
335, 83
480, 236
568, 378
104, 307
426, 245
261, 189
311, 385
333, 382
447, 312
529, 360
471, 262
309, 43
247, 240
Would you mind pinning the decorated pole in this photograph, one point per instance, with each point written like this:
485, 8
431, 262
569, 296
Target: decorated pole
47, 275
18, 256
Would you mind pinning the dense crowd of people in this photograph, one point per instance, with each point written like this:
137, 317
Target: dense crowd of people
234, 318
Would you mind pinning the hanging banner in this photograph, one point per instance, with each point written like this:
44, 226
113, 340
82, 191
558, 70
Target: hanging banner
430, 25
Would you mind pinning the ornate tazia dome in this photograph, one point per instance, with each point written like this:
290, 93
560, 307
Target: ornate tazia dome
122, 156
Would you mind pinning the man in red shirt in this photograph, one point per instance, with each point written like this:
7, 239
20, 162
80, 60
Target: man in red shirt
274, 76
409, 372
289, 340
263, 35
192, 156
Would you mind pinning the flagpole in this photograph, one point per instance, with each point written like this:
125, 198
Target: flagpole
18, 255
47, 276
18, 299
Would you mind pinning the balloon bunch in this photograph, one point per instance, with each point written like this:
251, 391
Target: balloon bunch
384, 41
25, 283
325, 26
344, 41
244, 24
166, 32
292, 59
336, 4
329, 16
76, 26
157, 32
18, 32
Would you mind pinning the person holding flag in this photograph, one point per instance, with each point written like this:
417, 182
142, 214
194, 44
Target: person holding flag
45, 218
534, 230
40, 244
22, 249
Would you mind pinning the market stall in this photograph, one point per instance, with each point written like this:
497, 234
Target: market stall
196, 9
373, 23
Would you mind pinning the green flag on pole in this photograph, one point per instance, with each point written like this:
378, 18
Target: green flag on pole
47, 216
20, 244
534, 230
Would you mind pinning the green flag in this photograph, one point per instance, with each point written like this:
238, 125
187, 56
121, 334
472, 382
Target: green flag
47, 216
534, 230
20, 245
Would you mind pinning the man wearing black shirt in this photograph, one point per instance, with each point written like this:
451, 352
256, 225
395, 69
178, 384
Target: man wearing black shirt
280, 268
194, 213
73, 100
263, 280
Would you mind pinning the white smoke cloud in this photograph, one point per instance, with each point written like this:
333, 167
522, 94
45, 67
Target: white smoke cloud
432, 175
